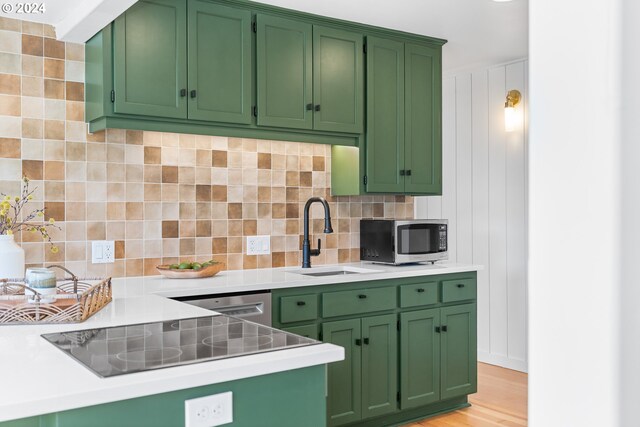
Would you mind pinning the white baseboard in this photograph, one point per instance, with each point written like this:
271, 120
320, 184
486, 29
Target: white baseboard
505, 362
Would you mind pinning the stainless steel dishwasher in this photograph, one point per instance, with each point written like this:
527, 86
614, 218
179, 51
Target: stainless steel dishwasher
252, 306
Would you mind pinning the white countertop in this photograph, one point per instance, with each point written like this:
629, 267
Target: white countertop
38, 378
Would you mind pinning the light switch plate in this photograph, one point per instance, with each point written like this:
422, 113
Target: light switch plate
209, 411
258, 245
102, 251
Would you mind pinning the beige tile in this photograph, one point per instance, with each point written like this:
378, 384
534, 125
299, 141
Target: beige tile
10, 63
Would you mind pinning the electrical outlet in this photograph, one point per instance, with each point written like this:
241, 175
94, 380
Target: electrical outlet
209, 411
258, 245
102, 251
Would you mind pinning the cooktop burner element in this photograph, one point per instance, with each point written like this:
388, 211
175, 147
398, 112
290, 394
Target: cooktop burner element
134, 348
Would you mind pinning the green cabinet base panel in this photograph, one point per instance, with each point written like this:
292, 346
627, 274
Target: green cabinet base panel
416, 414
285, 399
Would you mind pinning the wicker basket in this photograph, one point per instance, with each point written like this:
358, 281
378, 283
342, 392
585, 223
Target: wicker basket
77, 300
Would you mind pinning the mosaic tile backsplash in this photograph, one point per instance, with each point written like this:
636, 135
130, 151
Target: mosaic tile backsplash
162, 197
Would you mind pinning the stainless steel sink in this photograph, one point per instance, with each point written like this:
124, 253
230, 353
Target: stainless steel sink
332, 271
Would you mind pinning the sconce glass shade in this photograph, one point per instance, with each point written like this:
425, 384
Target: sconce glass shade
510, 119
510, 115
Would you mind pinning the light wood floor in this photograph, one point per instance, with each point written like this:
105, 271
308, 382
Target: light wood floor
501, 401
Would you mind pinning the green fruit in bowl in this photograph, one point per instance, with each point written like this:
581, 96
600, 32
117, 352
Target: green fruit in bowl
196, 266
185, 266
174, 266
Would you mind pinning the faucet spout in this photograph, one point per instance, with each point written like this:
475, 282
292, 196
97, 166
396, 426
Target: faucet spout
307, 252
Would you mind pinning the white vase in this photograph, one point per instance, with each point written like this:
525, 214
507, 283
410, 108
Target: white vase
11, 258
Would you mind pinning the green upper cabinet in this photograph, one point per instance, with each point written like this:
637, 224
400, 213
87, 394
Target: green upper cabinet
309, 77
419, 357
285, 72
150, 59
219, 46
459, 355
402, 148
422, 121
385, 116
337, 80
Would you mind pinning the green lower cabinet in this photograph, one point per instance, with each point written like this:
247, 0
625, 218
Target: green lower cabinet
459, 363
309, 331
286, 399
419, 358
379, 365
344, 400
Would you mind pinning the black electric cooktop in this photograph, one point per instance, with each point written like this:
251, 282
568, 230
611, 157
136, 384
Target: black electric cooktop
134, 348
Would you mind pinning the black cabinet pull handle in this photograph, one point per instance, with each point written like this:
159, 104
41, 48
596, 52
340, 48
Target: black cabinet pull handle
444, 328
408, 172
460, 285
366, 341
437, 329
358, 341
420, 290
301, 303
317, 107
362, 296
193, 93
309, 107
402, 172
183, 92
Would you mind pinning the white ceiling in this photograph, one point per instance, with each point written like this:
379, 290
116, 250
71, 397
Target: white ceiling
480, 32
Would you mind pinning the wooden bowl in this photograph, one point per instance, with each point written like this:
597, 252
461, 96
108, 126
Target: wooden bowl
209, 271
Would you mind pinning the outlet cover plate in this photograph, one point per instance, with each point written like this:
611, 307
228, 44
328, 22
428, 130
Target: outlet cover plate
258, 245
209, 411
103, 251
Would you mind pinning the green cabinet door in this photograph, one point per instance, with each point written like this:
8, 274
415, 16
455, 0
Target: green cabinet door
385, 116
150, 51
419, 358
423, 122
459, 353
379, 365
337, 80
344, 377
284, 72
219, 40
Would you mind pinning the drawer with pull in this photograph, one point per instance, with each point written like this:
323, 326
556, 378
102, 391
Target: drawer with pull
358, 301
458, 290
298, 308
418, 294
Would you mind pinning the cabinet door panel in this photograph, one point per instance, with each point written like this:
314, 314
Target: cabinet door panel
385, 116
379, 365
337, 80
344, 377
423, 123
419, 358
459, 354
150, 50
309, 331
219, 63
284, 67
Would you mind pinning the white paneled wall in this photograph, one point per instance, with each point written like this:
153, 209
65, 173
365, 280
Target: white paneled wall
484, 197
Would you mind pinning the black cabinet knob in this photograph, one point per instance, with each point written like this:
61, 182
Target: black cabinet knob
358, 341
408, 172
362, 296
183, 92
444, 328
317, 107
420, 290
460, 285
193, 93
309, 107
366, 341
437, 329
301, 303
402, 172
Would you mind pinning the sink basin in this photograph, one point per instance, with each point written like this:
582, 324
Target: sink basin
331, 271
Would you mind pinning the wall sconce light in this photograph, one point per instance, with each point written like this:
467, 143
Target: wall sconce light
510, 116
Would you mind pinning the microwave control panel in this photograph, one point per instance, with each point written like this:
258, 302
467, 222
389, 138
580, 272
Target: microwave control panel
443, 238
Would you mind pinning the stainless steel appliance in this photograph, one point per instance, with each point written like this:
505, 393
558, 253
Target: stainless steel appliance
389, 241
253, 306
119, 350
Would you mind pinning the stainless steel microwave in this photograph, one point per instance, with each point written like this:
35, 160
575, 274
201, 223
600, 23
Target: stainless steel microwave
401, 242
